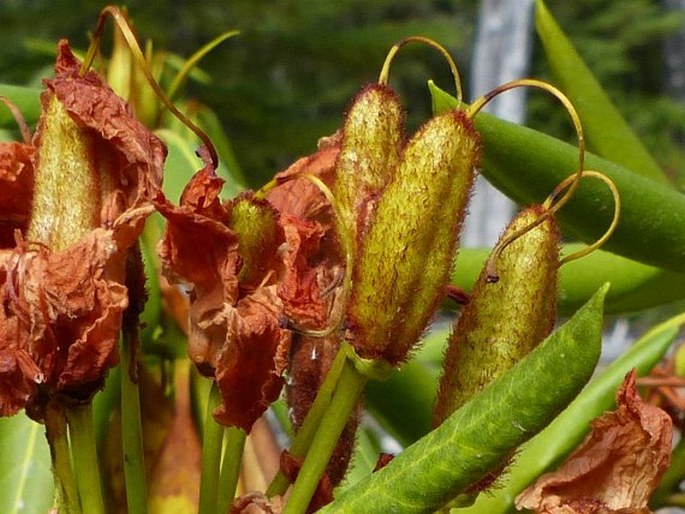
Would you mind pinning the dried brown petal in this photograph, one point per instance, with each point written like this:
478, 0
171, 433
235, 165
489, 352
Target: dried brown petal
16, 189
62, 303
128, 149
235, 334
19, 378
250, 368
257, 503
62, 311
300, 197
615, 469
302, 284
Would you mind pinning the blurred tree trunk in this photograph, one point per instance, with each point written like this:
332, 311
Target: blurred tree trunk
674, 56
501, 53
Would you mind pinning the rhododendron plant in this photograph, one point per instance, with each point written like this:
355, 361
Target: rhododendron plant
223, 351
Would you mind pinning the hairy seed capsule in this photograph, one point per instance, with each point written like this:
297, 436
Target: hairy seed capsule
254, 222
505, 320
370, 150
66, 201
407, 250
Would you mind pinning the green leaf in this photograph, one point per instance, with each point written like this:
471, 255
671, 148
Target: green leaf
634, 286
229, 168
25, 472
607, 132
27, 100
181, 163
482, 434
568, 430
527, 165
364, 458
402, 404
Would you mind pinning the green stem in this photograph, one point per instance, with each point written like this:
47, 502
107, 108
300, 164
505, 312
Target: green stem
65, 485
675, 500
86, 468
212, 440
131, 428
350, 387
310, 425
230, 467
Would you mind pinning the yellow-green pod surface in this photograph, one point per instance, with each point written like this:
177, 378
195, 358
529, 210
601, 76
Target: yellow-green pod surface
370, 149
406, 251
254, 222
505, 320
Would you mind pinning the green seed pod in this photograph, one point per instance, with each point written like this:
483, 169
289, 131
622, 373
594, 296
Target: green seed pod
370, 150
255, 223
66, 202
407, 250
505, 320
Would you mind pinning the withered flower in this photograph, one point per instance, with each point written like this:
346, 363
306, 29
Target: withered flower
74, 200
229, 255
615, 469
311, 289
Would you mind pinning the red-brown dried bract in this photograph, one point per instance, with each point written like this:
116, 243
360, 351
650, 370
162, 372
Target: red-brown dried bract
235, 326
62, 306
616, 468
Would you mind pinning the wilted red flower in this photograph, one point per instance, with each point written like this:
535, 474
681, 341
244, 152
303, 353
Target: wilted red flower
252, 265
72, 202
229, 255
615, 469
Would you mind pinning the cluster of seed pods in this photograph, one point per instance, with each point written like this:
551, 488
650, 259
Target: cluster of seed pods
398, 204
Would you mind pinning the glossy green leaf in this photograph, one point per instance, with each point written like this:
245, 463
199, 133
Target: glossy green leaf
527, 165
27, 100
181, 163
634, 286
607, 132
481, 435
25, 472
364, 458
562, 435
402, 404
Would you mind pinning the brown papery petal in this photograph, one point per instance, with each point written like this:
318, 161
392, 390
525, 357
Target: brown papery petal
197, 244
250, 368
16, 189
615, 469
64, 314
235, 334
300, 197
301, 285
131, 157
19, 376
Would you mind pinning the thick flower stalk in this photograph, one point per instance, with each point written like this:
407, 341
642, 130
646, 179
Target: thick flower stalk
79, 193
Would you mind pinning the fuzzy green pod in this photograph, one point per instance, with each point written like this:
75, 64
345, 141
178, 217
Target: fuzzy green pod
369, 152
66, 202
407, 250
505, 320
255, 223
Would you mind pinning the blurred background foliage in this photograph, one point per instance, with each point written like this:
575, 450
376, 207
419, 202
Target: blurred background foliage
287, 79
